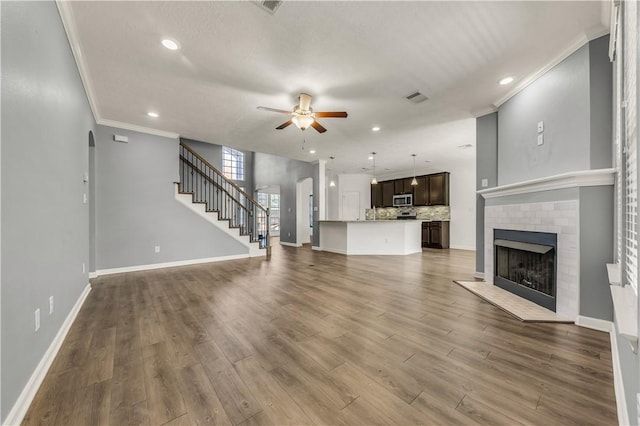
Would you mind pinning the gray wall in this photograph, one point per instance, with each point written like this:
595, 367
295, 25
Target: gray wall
45, 125
486, 168
272, 170
596, 249
577, 122
136, 209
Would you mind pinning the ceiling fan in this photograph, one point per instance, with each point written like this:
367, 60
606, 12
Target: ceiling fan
304, 116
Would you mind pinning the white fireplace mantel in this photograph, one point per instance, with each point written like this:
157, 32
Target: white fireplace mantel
597, 177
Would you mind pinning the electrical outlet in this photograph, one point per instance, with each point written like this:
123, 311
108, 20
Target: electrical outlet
540, 126
638, 407
37, 320
540, 139
157, 249
84, 268
484, 183
84, 198
50, 305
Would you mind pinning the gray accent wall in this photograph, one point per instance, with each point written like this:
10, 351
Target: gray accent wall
486, 168
46, 120
577, 122
272, 170
137, 210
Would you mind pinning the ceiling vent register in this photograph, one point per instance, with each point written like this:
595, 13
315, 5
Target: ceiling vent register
416, 98
269, 5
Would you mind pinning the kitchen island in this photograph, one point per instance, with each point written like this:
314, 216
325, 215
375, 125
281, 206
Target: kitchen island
373, 237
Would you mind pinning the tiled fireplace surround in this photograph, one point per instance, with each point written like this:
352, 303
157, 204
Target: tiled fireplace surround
558, 217
561, 217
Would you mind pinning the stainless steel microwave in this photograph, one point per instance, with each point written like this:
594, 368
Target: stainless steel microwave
404, 200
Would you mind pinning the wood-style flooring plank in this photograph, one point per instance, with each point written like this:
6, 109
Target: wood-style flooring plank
316, 338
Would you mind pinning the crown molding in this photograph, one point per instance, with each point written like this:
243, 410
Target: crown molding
484, 111
68, 22
136, 128
572, 48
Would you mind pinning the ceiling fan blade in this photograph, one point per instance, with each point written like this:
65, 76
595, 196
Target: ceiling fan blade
318, 127
305, 101
274, 110
285, 124
334, 114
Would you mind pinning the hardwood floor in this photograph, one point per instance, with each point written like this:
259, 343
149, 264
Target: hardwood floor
317, 338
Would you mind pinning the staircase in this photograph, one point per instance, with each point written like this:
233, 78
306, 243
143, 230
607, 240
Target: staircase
206, 191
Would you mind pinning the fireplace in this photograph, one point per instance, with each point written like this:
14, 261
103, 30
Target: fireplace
525, 264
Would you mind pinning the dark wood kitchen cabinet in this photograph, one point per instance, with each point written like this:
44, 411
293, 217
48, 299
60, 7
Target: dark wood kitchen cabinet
435, 234
388, 190
407, 188
398, 186
376, 195
438, 189
420, 195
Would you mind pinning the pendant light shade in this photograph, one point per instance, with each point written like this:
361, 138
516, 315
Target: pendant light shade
374, 181
414, 182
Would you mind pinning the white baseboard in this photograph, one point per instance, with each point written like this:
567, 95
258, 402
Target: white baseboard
468, 248
93, 275
594, 323
479, 275
618, 385
101, 272
19, 409
284, 243
316, 248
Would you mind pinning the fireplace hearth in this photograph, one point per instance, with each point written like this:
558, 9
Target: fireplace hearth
525, 264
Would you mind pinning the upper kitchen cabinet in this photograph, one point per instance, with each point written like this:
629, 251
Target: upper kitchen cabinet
376, 195
406, 186
420, 196
388, 191
438, 189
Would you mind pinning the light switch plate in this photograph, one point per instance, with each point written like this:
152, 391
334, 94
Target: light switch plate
540, 139
540, 126
484, 183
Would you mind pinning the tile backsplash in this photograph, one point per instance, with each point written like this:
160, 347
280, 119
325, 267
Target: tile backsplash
422, 213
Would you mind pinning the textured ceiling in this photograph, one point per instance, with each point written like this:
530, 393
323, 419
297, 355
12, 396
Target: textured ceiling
360, 57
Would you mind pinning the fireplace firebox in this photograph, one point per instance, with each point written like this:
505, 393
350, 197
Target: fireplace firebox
525, 264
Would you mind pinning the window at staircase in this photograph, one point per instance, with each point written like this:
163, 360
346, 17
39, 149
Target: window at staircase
232, 163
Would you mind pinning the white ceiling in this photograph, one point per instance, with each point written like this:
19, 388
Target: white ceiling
360, 57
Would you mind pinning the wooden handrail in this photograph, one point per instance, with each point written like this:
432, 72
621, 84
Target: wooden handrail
206, 163
204, 175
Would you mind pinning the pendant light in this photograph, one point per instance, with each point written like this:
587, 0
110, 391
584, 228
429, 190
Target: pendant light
374, 181
332, 182
414, 182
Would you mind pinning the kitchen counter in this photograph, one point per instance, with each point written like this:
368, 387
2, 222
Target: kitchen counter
371, 237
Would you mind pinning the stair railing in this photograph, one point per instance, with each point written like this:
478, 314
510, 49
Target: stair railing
209, 186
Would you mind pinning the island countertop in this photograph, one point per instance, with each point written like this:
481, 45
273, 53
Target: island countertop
371, 237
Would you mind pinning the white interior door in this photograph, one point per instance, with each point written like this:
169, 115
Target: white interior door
350, 205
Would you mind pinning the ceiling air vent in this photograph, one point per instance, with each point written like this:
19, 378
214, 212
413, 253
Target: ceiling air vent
416, 98
269, 5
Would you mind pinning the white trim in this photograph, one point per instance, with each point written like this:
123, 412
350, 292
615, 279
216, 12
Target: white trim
480, 112
136, 128
618, 384
316, 248
594, 323
93, 275
338, 251
580, 41
169, 264
17, 413
599, 177
284, 243
68, 22
479, 275
468, 248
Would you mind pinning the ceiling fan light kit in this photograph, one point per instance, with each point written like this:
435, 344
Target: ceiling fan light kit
304, 116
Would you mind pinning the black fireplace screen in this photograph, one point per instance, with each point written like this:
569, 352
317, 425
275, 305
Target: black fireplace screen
529, 265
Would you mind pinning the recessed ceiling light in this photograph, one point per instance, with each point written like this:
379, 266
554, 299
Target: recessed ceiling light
313, 151
505, 81
170, 44
153, 114
370, 157
465, 146
375, 129
427, 161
